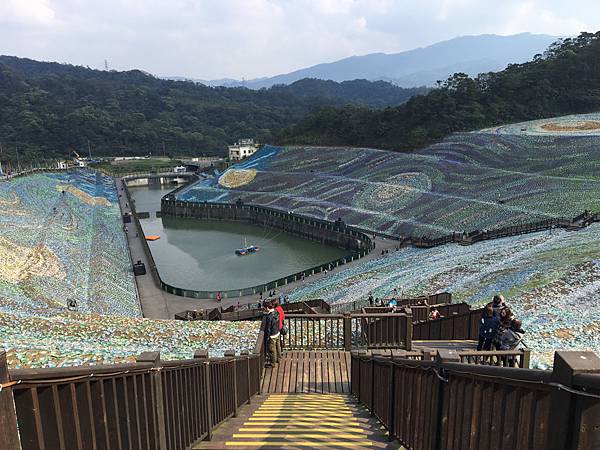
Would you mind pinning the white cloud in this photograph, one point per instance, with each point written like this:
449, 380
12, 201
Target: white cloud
251, 38
26, 12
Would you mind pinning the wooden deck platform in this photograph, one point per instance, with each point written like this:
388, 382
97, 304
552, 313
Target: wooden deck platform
309, 371
300, 421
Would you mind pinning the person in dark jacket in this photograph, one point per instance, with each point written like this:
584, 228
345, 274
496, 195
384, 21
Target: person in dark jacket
488, 327
270, 326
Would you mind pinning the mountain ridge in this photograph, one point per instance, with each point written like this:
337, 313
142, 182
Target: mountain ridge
422, 66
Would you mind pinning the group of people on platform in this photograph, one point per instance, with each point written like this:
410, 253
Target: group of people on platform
498, 327
274, 329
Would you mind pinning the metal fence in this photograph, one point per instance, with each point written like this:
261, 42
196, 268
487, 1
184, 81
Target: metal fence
443, 404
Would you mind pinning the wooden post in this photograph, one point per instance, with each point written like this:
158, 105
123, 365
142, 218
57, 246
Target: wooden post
525, 358
392, 396
231, 355
9, 436
347, 332
442, 356
563, 426
159, 413
246, 354
209, 400
374, 353
408, 330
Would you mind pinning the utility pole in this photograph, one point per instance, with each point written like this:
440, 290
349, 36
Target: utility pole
164, 150
89, 150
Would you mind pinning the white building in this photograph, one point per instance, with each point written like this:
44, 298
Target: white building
243, 149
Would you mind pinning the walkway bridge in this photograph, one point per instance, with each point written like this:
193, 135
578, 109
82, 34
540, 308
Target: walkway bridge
345, 380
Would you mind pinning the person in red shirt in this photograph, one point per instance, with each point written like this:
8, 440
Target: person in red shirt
281, 313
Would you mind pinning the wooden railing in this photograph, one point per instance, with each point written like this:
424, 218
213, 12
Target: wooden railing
453, 327
337, 331
149, 404
445, 404
499, 358
421, 312
357, 305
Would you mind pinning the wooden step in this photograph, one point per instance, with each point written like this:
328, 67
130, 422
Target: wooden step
302, 421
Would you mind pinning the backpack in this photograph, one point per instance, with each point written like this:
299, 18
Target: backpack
509, 339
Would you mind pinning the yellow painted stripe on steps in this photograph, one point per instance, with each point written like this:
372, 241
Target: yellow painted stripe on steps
279, 429
303, 436
305, 419
348, 444
301, 399
320, 402
303, 414
308, 397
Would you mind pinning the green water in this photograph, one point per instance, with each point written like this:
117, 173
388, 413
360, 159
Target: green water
199, 255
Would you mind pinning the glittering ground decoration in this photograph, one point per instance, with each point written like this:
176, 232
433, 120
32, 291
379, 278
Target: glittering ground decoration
551, 280
493, 178
61, 239
484, 180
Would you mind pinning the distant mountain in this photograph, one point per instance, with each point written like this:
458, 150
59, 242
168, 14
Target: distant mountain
564, 80
419, 67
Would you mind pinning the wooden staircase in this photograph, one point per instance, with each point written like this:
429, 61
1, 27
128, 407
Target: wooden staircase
301, 421
326, 371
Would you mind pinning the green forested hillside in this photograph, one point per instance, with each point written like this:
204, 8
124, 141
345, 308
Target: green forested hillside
564, 80
49, 109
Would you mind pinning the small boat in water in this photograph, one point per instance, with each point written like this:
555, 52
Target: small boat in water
247, 249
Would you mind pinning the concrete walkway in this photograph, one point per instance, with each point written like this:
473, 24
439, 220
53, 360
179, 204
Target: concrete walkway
158, 304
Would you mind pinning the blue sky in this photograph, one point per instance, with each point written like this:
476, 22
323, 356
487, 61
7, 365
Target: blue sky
251, 38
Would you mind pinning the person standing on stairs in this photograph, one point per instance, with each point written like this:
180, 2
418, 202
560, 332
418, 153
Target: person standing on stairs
271, 330
281, 314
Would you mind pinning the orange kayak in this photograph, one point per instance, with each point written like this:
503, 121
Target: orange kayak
152, 238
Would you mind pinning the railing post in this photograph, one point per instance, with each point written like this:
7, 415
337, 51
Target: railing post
392, 395
563, 426
408, 330
525, 358
347, 332
159, 413
9, 436
374, 353
231, 355
246, 354
442, 356
207, 391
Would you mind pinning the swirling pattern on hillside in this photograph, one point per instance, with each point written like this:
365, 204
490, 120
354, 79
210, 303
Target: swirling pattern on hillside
551, 280
61, 238
470, 181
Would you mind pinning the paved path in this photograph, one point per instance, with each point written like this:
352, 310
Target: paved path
301, 421
158, 304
